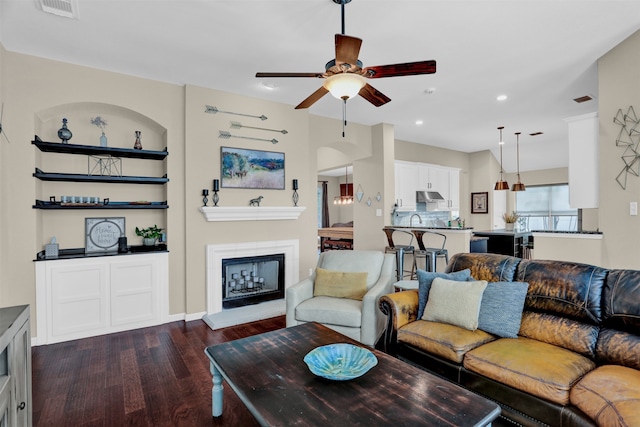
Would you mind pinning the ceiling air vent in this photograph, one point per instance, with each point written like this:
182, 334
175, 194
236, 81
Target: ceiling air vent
66, 8
583, 99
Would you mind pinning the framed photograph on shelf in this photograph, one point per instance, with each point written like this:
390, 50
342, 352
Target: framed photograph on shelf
242, 168
480, 203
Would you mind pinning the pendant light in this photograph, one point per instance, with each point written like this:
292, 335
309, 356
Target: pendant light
518, 186
345, 197
501, 184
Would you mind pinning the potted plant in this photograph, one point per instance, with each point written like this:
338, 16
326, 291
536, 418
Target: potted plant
149, 235
510, 220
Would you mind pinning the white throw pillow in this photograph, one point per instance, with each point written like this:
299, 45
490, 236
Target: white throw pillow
455, 303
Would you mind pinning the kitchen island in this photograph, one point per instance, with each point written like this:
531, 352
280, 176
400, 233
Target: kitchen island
505, 242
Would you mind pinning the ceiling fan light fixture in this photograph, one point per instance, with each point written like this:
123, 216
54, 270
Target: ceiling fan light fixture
344, 85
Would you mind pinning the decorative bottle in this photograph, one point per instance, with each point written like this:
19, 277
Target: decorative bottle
64, 133
137, 145
103, 140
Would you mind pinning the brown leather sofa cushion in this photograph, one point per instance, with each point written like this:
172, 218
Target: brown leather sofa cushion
618, 348
610, 395
489, 267
447, 341
566, 289
541, 369
566, 333
620, 306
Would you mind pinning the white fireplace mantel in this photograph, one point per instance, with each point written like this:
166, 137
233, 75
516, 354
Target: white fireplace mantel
251, 213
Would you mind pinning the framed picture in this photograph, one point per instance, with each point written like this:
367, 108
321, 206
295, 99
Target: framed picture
102, 234
480, 203
242, 168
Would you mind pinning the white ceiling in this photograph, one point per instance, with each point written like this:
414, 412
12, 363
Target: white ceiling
541, 53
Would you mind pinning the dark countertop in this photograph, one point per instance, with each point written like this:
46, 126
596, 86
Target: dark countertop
79, 252
501, 232
567, 232
429, 228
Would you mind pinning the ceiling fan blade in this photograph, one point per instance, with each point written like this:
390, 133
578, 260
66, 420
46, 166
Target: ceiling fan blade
315, 96
347, 49
318, 75
373, 95
395, 70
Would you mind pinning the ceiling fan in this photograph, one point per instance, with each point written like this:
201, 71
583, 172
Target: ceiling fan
345, 76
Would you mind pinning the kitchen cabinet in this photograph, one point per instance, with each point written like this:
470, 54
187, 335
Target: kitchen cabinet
406, 184
505, 242
84, 297
15, 366
445, 181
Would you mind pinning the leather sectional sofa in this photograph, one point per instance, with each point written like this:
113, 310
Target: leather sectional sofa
576, 358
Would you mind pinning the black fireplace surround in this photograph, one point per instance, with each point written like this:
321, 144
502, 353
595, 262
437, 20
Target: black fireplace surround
252, 280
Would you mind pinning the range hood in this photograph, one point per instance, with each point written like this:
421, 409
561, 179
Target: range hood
428, 196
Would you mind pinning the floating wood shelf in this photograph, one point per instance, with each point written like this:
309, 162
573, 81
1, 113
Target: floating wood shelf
95, 150
76, 177
42, 204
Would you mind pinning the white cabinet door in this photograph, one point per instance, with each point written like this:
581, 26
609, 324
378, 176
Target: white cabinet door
454, 190
21, 372
407, 178
134, 298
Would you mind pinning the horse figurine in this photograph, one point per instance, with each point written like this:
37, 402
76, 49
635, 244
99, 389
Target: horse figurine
256, 201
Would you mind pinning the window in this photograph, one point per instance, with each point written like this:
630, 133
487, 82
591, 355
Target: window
546, 207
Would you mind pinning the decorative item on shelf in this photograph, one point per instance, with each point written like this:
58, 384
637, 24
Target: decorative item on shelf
104, 165
122, 245
378, 196
102, 234
101, 123
346, 191
64, 133
205, 193
510, 220
137, 145
518, 186
359, 193
216, 188
210, 109
51, 250
149, 235
501, 184
256, 201
295, 196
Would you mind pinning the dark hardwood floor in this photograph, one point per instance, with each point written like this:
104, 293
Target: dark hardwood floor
156, 376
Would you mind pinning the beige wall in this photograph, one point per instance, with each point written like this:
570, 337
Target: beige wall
618, 89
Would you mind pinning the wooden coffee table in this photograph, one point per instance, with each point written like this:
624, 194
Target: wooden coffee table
269, 376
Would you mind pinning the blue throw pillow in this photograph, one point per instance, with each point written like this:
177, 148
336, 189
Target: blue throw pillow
501, 308
425, 278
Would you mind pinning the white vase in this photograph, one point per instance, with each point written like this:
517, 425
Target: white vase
509, 226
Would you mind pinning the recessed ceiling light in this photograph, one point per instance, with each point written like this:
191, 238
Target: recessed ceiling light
419, 122
501, 97
430, 90
269, 85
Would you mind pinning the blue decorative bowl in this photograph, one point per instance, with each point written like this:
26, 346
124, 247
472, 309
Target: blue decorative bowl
340, 362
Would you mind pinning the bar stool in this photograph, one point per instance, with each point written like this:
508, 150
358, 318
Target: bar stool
399, 250
429, 254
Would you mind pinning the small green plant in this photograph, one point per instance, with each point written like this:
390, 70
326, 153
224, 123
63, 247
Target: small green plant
510, 218
149, 233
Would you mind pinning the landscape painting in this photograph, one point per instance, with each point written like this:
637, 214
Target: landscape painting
242, 168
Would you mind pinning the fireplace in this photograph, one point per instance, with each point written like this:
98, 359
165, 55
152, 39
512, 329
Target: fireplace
219, 316
252, 280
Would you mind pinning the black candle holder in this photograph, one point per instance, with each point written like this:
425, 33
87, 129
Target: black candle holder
205, 193
295, 196
215, 198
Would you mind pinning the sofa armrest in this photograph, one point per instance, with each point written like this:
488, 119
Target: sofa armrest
401, 308
373, 320
296, 294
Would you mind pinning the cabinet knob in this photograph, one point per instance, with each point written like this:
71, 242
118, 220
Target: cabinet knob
21, 406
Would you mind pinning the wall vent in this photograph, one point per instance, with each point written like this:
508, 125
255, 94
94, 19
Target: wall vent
65, 8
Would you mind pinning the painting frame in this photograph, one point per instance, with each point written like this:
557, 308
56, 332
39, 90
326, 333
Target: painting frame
248, 168
480, 202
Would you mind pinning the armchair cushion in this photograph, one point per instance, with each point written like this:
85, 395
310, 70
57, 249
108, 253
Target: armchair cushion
455, 303
340, 284
331, 311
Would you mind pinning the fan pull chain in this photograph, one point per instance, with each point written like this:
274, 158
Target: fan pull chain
344, 116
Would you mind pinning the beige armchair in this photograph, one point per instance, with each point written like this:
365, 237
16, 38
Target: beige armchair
360, 320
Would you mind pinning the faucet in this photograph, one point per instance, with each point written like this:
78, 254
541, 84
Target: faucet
411, 219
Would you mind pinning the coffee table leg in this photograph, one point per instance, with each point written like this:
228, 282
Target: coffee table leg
216, 392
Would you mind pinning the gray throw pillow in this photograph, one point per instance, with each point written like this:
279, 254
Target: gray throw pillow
501, 308
425, 278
